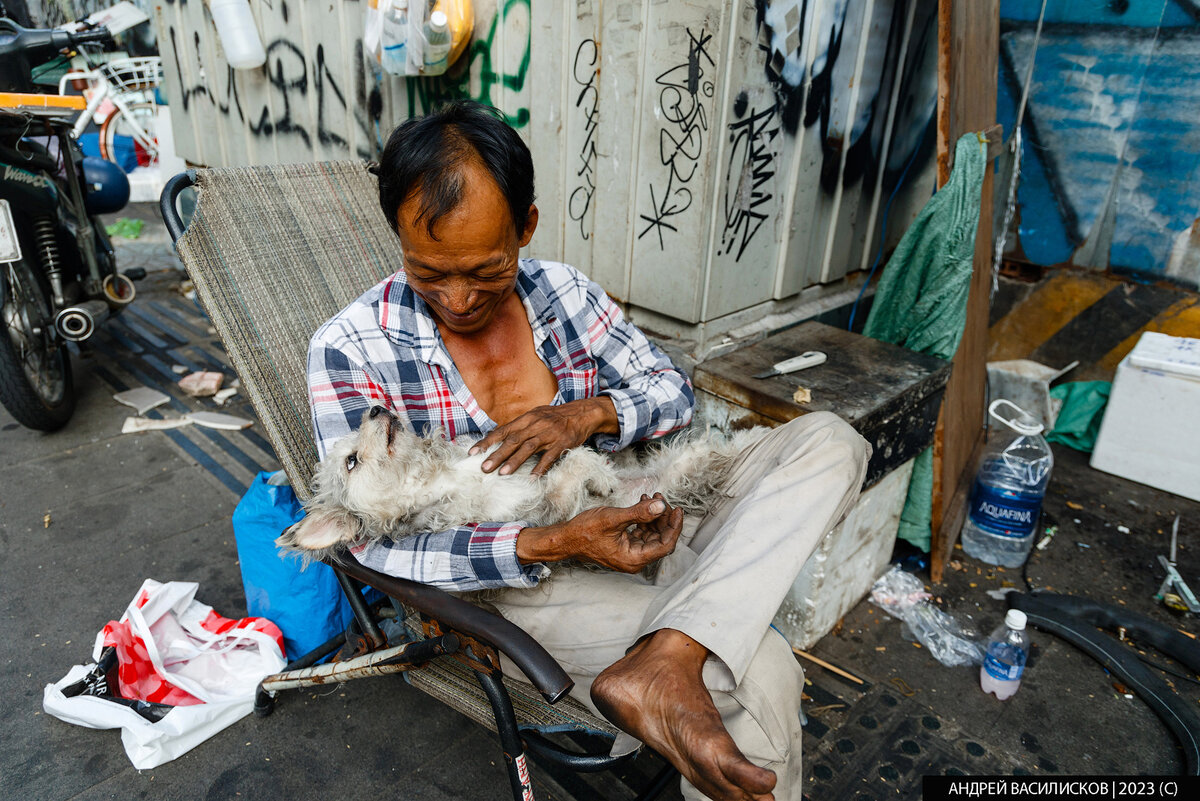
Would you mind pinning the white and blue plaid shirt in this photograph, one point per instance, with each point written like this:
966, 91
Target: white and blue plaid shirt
384, 350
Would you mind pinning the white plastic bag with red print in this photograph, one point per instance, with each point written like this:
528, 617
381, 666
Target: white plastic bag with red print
169, 674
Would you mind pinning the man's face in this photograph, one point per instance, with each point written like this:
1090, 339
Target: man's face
471, 268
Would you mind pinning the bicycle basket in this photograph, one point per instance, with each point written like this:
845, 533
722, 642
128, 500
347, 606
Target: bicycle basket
134, 74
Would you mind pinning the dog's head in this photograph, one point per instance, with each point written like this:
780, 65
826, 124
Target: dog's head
360, 485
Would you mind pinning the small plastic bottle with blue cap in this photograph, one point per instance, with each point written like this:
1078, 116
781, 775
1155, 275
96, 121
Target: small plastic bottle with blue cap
1007, 652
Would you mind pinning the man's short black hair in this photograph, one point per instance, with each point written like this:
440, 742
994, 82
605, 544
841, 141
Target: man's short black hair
426, 156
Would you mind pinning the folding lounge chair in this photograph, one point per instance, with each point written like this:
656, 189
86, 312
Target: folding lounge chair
273, 253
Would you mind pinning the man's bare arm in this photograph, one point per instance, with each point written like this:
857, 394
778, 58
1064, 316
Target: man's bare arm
625, 540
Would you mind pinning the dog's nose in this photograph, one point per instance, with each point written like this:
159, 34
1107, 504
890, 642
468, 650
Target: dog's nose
376, 411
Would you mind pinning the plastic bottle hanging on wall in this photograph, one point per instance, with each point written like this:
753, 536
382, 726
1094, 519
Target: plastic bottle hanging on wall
435, 29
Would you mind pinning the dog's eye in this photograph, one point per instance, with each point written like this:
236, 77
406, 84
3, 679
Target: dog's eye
351, 461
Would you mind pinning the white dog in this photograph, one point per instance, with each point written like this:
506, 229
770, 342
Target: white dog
384, 481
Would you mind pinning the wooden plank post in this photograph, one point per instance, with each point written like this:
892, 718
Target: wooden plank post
968, 42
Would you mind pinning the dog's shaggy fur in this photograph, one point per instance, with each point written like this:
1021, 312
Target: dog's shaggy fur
384, 481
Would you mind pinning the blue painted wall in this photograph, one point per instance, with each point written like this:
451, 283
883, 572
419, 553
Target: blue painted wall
1112, 131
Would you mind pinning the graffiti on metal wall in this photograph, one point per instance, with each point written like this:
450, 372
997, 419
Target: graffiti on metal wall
683, 92
1110, 171
292, 77
810, 53
584, 73
818, 82
815, 81
751, 166
479, 64
299, 77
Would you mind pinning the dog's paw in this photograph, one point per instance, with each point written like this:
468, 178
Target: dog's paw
320, 530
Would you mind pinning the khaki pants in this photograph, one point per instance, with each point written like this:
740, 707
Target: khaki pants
722, 587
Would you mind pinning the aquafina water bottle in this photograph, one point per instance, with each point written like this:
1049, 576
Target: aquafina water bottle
1006, 500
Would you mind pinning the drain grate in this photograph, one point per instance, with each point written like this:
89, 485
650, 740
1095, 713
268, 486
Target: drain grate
884, 744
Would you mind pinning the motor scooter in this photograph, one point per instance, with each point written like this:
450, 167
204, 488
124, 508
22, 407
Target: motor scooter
58, 271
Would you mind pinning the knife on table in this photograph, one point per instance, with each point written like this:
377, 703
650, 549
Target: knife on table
809, 358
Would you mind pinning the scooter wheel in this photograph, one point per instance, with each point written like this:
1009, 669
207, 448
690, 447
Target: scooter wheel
36, 384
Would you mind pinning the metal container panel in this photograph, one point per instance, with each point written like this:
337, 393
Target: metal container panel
700, 159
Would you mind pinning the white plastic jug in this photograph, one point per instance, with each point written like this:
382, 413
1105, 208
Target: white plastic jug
238, 33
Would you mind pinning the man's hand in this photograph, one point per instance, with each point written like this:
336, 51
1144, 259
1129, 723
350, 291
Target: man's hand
548, 430
625, 540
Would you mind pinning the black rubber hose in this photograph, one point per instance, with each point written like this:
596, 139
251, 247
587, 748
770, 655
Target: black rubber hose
1123, 664
1137, 627
549, 751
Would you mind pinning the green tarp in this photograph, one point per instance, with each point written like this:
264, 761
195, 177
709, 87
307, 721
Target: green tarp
921, 301
1078, 422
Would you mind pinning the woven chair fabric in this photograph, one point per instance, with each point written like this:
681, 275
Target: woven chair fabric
453, 683
274, 252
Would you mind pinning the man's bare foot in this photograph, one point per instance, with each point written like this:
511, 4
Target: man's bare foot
656, 694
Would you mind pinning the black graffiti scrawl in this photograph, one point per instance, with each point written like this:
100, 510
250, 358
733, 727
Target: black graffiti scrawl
584, 75
293, 77
683, 90
810, 49
748, 173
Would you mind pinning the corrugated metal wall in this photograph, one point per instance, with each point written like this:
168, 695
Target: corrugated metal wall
699, 159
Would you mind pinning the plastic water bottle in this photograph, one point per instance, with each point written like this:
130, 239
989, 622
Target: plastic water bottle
1007, 650
238, 34
394, 57
1006, 500
437, 43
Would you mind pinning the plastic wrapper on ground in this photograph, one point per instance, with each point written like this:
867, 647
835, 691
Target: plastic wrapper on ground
902, 595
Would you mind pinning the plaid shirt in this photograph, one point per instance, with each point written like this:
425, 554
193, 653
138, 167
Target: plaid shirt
384, 349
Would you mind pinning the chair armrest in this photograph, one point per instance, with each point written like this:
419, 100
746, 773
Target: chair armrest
166, 202
537, 664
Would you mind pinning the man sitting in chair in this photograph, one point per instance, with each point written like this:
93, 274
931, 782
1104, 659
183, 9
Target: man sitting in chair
472, 340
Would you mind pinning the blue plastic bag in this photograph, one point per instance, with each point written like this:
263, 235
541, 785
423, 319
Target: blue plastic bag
308, 606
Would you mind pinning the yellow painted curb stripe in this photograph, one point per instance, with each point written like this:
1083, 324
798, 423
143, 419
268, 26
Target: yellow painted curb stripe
1181, 319
1041, 315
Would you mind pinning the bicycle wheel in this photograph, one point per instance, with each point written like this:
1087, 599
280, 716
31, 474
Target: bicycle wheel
36, 385
139, 125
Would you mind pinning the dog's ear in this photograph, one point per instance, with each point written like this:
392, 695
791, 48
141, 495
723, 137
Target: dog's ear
320, 529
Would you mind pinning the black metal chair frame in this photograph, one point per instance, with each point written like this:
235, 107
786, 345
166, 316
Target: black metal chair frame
453, 628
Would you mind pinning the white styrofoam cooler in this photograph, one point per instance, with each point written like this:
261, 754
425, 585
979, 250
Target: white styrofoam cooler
1151, 428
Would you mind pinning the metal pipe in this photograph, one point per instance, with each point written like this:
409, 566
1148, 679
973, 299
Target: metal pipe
118, 289
352, 589
264, 702
379, 663
78, 322
510, 739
